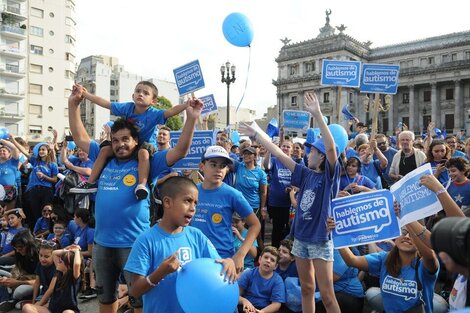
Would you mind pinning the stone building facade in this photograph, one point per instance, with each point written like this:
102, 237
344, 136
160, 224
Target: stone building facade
434, 81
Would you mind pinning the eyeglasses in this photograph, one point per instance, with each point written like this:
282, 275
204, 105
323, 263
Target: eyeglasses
46, 243
254, 146
381, 143
45, 211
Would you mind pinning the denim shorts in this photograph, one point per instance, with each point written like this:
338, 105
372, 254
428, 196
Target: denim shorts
108, 264
318, 250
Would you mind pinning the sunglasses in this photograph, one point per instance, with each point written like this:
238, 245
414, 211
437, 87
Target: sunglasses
46, 243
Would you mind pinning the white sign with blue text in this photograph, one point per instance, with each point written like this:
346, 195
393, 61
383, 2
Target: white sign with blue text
209, 105
380, 78
189, 78
295, 120
364, 218
416, 201
340, 73
201, 140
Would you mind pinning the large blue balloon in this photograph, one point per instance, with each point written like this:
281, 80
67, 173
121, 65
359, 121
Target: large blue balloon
340, 136
238, 30
200, 288
4, 133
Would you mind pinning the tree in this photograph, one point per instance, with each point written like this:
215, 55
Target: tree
174, 122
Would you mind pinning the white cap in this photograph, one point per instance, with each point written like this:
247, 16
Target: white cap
216, 152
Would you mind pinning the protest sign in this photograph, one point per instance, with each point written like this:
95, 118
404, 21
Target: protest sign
416, 201
209, 105
296, 120
201, 140
364, 218
380, 78
189, 78
340, 73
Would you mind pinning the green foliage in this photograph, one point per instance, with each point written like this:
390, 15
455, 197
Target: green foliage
174, 122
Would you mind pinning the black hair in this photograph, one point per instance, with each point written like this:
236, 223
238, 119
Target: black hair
174, 185
151, 85
67, 278
84, 214
122, 123
459, 163
22, 262
358, 163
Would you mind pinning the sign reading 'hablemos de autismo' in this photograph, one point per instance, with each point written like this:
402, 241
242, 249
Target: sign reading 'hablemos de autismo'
189, 78
341, 73
201, 140
380, 78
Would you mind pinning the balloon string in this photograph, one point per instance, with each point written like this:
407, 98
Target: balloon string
247, 75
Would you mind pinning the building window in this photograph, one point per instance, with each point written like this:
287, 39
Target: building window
406, 120
431, 60
69, 74
35, 89
36, 31
35, 129
454, 56
69, 57
70, 22
351, 97
450, 94
467, 55
427, 96
384, 125
36, 50
293, 101
326, 97
35, 68
69, 39
309, 67
449, 118
445, 58
293, 69
37, 12
35, 109
406, 98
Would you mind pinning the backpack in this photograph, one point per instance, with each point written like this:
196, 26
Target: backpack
72, 200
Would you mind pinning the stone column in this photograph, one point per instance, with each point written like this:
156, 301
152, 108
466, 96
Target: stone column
458, 109
413, 124
434, 106
392, 115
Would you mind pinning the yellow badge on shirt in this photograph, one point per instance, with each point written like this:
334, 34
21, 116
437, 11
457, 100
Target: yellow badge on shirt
129, 180
216, 218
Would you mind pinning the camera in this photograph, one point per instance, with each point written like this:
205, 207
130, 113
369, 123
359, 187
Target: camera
452, 235
68, 138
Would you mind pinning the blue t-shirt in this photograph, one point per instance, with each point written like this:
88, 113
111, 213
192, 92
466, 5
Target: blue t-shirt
65, 240
314, 201
280, 180
65, 298
9, 237
348, 282
83, 164
395, 290
460, 192
248, 183
155, 245
9, 172
45, 274
443, 177
41, 224
93, 150
214, 215
72, 228
291, 271
84, 237
146, 122
50, 170
370, 171
361, 180
458, 153
249, 261
260, 291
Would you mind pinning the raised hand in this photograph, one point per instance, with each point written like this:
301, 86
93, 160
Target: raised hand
170, 264
431, 182
311, 103
194, 108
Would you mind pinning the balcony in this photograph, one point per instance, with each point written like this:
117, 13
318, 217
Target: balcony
13, 31
11, 116
14, 95
12, 52
10, 70
13, 11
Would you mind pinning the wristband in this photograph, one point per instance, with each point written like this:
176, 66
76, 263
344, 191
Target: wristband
440, 191
149, 281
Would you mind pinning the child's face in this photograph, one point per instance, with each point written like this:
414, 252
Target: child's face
182, 207
267, 262
14, 221
456, 175
45, 257
315, 158
284, 255
59, 229
3, 222
46, 211
352, 168
214, 170
238, 224
143, 96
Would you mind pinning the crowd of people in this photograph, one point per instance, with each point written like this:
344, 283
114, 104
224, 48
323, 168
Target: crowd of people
113, 220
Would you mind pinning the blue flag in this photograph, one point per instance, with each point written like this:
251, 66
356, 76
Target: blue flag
273, 128
346, 114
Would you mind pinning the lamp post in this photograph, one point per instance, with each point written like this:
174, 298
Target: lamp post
227, 79
375, 106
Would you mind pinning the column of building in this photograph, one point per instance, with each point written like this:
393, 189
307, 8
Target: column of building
458, 109
434, 106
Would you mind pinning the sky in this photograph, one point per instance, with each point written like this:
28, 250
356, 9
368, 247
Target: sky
152, 37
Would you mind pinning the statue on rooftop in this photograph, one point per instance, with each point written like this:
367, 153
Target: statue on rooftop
328, 13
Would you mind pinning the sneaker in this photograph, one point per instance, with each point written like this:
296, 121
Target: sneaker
141, 192
89, 293
85, 187
8, 305
19, 305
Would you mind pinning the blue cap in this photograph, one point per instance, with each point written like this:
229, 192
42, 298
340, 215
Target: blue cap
320, 146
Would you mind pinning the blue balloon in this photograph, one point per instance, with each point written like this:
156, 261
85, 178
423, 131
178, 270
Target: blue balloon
71, 145
201, 288
36, 148
339, 135
238, 30
325, 119
110, 123
235, 137
3, 133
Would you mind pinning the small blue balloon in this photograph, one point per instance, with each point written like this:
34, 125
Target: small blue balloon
36, 148
339, 135
3, 133
326, 120
110, 123
71, 145
238, 30
235, 137
201, 288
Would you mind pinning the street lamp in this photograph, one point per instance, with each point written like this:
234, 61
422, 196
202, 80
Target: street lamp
228, 80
